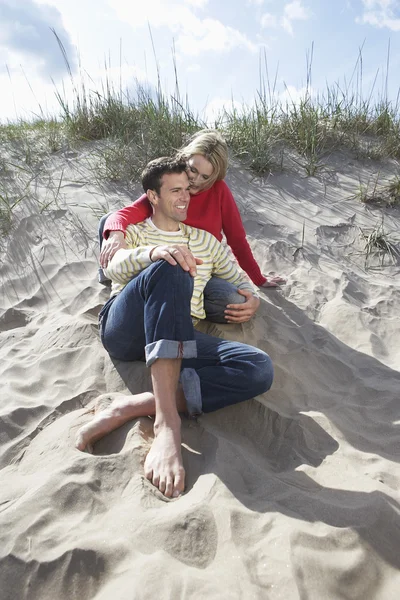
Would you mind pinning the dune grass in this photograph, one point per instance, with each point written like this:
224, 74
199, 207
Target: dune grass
130, 127
380, 243
377, 192
317, 124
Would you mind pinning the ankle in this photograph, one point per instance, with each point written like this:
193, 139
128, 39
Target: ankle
167, 422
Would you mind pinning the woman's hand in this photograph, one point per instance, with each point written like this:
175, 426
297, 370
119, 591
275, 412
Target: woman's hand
273, 281
115, 241
240, 313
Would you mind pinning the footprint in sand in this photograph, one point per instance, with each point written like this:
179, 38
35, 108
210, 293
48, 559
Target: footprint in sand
190, 535
13, 318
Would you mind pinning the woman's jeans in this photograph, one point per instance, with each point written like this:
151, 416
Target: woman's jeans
218, 293
150, 319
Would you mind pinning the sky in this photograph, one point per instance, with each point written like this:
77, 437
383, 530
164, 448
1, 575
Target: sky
219, 48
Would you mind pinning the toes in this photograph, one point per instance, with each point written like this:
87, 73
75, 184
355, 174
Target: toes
79, 445
148, 473
179, 484
161, 486
80, 442
156, 480
169, 487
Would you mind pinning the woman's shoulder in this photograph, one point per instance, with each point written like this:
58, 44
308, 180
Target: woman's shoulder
220, 189
221, 185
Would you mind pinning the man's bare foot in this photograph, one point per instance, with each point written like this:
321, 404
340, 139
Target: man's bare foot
163, 465
118, 412
102, 423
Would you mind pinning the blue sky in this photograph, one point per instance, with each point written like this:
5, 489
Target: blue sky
218, 44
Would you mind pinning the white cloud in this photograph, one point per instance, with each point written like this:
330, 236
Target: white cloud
287, 25
212, 35
254, 2
193, 36
193, 68
26, 37
197, 3
293, 11
381, 13
382, 4
268, 20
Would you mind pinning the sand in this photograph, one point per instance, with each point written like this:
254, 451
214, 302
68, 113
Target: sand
292, 495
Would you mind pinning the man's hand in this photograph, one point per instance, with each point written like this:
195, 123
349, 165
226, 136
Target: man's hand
240, 313
115, 241
273, 281
177, 255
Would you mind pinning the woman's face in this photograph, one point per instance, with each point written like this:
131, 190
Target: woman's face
199, 171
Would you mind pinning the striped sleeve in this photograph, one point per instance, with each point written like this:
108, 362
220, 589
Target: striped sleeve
128, 262
225, 268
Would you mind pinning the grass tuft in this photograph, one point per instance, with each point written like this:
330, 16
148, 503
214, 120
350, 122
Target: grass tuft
380, 194
378, 242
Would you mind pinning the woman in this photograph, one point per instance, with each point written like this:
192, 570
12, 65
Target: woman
212, 208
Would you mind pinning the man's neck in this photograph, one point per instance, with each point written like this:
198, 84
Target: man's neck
165, 224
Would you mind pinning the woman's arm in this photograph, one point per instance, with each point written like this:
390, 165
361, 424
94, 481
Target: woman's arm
116, 224
129, 215
236, 236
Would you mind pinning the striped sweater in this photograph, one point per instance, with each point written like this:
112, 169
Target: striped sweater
143, 237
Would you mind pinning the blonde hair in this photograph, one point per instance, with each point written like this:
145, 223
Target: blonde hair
210, 144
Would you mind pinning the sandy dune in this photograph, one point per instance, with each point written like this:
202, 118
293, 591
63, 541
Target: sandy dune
293, 495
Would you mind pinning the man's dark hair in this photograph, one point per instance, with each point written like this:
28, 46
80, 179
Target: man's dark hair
153, 172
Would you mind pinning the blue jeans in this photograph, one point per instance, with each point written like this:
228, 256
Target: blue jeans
218, 293
150, 319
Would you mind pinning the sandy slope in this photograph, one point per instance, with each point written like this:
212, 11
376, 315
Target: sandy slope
293, 496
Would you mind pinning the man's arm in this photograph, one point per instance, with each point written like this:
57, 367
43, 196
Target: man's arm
225, 268
126, 263
116, 225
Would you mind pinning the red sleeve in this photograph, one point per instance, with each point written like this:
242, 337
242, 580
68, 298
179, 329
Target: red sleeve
129, 215
236, 236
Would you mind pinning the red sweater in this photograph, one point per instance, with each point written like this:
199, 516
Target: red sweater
214, 210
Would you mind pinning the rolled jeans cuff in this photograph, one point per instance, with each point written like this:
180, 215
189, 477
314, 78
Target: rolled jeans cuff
170, 349
191, 388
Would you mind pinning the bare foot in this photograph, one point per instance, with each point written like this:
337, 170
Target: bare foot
163, 465
101, 424
119, 411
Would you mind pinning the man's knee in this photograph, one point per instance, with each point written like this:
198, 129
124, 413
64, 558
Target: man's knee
167, 270
172, 276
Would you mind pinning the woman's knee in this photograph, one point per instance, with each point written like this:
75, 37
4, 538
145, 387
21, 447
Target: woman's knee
260, 372
221, 292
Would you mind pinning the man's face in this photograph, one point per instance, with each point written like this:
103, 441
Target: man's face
173, 200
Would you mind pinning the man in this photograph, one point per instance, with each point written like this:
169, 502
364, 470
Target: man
157, 291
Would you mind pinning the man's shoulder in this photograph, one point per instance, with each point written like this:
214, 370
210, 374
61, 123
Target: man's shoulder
138, 228
199, 234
